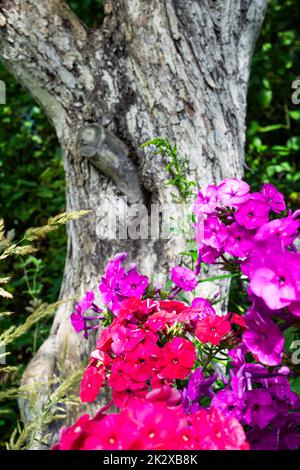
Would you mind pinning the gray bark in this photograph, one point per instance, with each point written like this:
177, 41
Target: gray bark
174, 68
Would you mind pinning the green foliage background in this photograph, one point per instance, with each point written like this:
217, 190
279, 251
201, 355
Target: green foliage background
32, 186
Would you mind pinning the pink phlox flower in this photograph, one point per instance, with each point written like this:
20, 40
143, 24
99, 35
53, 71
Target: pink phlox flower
274, 279
214, 431
112, 432
285, 229
158, 424
142, 360
92, 381
273, 198
215, 232
125, 339
120, 379
239, 242
172, 306
184, 278
207, 200
169, 395
199, 309
212, 329
208, 254
177, 359
252, 214
233, 192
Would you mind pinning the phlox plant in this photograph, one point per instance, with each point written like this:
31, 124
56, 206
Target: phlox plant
182, 375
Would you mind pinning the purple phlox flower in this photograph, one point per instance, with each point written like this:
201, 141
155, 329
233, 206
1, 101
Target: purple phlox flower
280, 389
285, 229
289, 432
117, 284
109, 285
282, 434
233, 192
184, 278
215, 232
198, 386
260, 408
189, 406
79, 320
237, 355
275, 278
245, 377
122, 257
239, 242
87, 301
263, 439
252, 214
294, 265
203, 306
229, 403
263, 338
208, 254
207, 200
133, 284
273, 198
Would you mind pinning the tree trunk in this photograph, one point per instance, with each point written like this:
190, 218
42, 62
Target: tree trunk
173, 68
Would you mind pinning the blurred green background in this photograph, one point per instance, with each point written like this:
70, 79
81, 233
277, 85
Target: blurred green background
32, 178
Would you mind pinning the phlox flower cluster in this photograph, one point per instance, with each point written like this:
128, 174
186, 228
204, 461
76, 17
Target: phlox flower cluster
182, 375
238, 228
155, 422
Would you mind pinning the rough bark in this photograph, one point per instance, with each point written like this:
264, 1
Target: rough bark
174, 68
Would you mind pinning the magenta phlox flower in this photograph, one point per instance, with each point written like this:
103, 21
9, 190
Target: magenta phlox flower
215, 232
233, 192
117, 284
78, 318
207, 200
285, 229
263, 338
125, 339
184, 278
273, 198
260, 408
252, 214
208, 254
133, 284
198, 386
229, 404
274, 279
239, 241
